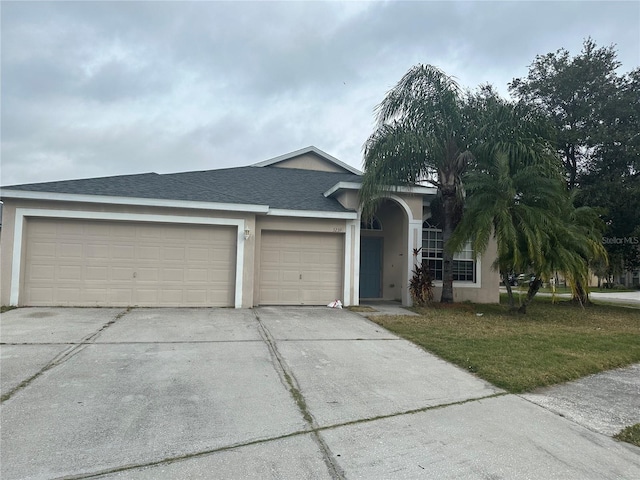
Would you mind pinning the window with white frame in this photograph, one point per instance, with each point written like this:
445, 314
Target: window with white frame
464, 263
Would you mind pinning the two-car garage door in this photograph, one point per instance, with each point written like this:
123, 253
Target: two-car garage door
89, 263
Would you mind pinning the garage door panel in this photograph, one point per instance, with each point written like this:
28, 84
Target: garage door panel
173, 253
42, 294
68, 294
47, 229
173, 275
327, 294
43, 249
289, 276
197, 254
98, 273
177, 234
198, 297
95, 295
290, 258
69, 272
122, 252
126, 263
71, 229
148, 253
219, 276
147, 274
120, 296
97, 251
120, 274
300, 268
122, 231
43, 272
97, 231
69, 250
197, 275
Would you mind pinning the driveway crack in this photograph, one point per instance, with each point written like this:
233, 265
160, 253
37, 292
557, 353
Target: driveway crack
63, 356
291, 383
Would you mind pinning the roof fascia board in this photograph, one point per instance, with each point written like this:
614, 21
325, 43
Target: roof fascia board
147, 202
280, 212
302, 151
357, 186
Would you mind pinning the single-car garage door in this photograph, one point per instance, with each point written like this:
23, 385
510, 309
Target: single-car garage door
300, 268
104, 263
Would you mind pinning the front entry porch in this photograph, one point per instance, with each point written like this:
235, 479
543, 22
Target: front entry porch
387, 242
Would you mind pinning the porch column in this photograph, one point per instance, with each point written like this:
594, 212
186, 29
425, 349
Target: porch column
414, 237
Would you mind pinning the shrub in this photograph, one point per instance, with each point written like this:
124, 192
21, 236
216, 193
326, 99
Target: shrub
421, 286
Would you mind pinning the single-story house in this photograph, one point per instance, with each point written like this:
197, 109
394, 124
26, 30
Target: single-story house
286, 231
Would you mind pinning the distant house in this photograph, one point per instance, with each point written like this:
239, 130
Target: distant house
286, 231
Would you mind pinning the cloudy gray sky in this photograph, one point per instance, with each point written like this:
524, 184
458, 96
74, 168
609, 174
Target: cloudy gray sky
109, 88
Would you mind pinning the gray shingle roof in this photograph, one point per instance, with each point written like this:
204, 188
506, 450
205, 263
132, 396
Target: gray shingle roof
281, 188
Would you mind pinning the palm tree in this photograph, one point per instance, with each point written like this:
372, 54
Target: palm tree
420, 135
517, 206
515, 188
517, 194
576, 245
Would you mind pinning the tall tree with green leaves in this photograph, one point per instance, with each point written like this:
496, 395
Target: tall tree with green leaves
420, 135
595, 112
572, 92
612, 179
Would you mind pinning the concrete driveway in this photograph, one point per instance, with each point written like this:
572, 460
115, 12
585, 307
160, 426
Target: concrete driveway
300, 393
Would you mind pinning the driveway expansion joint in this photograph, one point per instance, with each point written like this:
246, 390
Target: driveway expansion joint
411, 412
63, 356
334, 469
316, 430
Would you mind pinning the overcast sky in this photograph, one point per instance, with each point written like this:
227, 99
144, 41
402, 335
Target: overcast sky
110, 88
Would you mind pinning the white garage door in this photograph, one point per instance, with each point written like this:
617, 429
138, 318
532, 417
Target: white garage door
300, 268
85, 263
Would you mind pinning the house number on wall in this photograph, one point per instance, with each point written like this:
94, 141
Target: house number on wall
338, 229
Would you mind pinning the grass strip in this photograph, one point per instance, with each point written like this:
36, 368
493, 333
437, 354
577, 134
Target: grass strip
630, 435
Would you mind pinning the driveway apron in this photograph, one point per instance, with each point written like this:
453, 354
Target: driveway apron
274, 392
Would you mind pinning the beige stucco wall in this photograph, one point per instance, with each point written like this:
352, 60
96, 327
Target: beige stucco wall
348, 199
310, 161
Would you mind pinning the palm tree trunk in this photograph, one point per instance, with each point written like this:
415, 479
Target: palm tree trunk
449, 205
534, 286
505, 280
580, 294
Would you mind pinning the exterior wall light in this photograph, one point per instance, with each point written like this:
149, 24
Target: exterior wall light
247, 234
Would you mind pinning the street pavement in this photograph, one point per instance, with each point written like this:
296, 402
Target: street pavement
631, 299
271, 392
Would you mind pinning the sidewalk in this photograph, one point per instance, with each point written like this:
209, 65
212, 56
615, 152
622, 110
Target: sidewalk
605, 402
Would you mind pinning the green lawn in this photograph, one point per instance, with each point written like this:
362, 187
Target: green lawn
553, 343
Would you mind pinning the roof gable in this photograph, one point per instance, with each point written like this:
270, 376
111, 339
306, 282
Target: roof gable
309, 158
